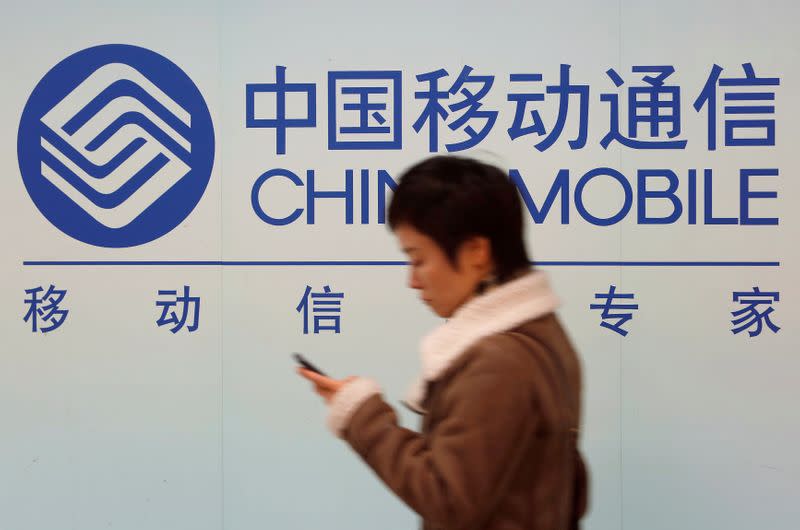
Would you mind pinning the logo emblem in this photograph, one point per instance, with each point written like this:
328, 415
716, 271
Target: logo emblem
116, 145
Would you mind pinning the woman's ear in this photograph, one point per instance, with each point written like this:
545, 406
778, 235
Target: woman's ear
476, 254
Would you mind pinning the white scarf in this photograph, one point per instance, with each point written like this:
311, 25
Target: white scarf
499, 309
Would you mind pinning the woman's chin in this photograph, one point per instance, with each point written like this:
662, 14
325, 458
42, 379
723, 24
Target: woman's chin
440, 312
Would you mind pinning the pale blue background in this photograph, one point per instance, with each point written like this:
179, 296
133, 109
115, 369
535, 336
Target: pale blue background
111, 422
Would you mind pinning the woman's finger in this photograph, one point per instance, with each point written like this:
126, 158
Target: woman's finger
316, 378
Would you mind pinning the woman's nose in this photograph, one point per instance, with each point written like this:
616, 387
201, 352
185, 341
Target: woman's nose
413, 281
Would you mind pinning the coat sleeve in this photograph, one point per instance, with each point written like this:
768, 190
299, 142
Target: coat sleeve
484, 422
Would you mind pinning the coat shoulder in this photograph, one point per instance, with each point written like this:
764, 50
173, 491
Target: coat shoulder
502, 353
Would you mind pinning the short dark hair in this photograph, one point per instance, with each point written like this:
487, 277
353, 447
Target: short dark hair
451, 199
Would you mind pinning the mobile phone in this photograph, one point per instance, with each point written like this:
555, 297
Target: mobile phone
302, 361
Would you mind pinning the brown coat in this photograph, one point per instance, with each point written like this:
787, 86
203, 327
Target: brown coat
498, 443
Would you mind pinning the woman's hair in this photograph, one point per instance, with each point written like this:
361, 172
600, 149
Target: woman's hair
451, 199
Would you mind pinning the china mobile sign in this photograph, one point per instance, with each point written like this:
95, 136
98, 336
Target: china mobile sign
645, 111
116, 143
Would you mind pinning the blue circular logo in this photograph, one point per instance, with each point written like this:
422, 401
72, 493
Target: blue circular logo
116, 145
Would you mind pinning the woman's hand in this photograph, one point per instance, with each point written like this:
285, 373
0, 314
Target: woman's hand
324, 386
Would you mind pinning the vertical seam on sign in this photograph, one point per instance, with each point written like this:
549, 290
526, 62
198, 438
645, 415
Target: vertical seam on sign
218, 147
621, 357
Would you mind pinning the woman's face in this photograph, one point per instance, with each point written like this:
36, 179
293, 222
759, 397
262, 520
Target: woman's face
442, 286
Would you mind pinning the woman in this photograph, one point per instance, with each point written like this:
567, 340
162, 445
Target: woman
500, 384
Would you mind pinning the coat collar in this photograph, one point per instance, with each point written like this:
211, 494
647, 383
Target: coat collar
500, 309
